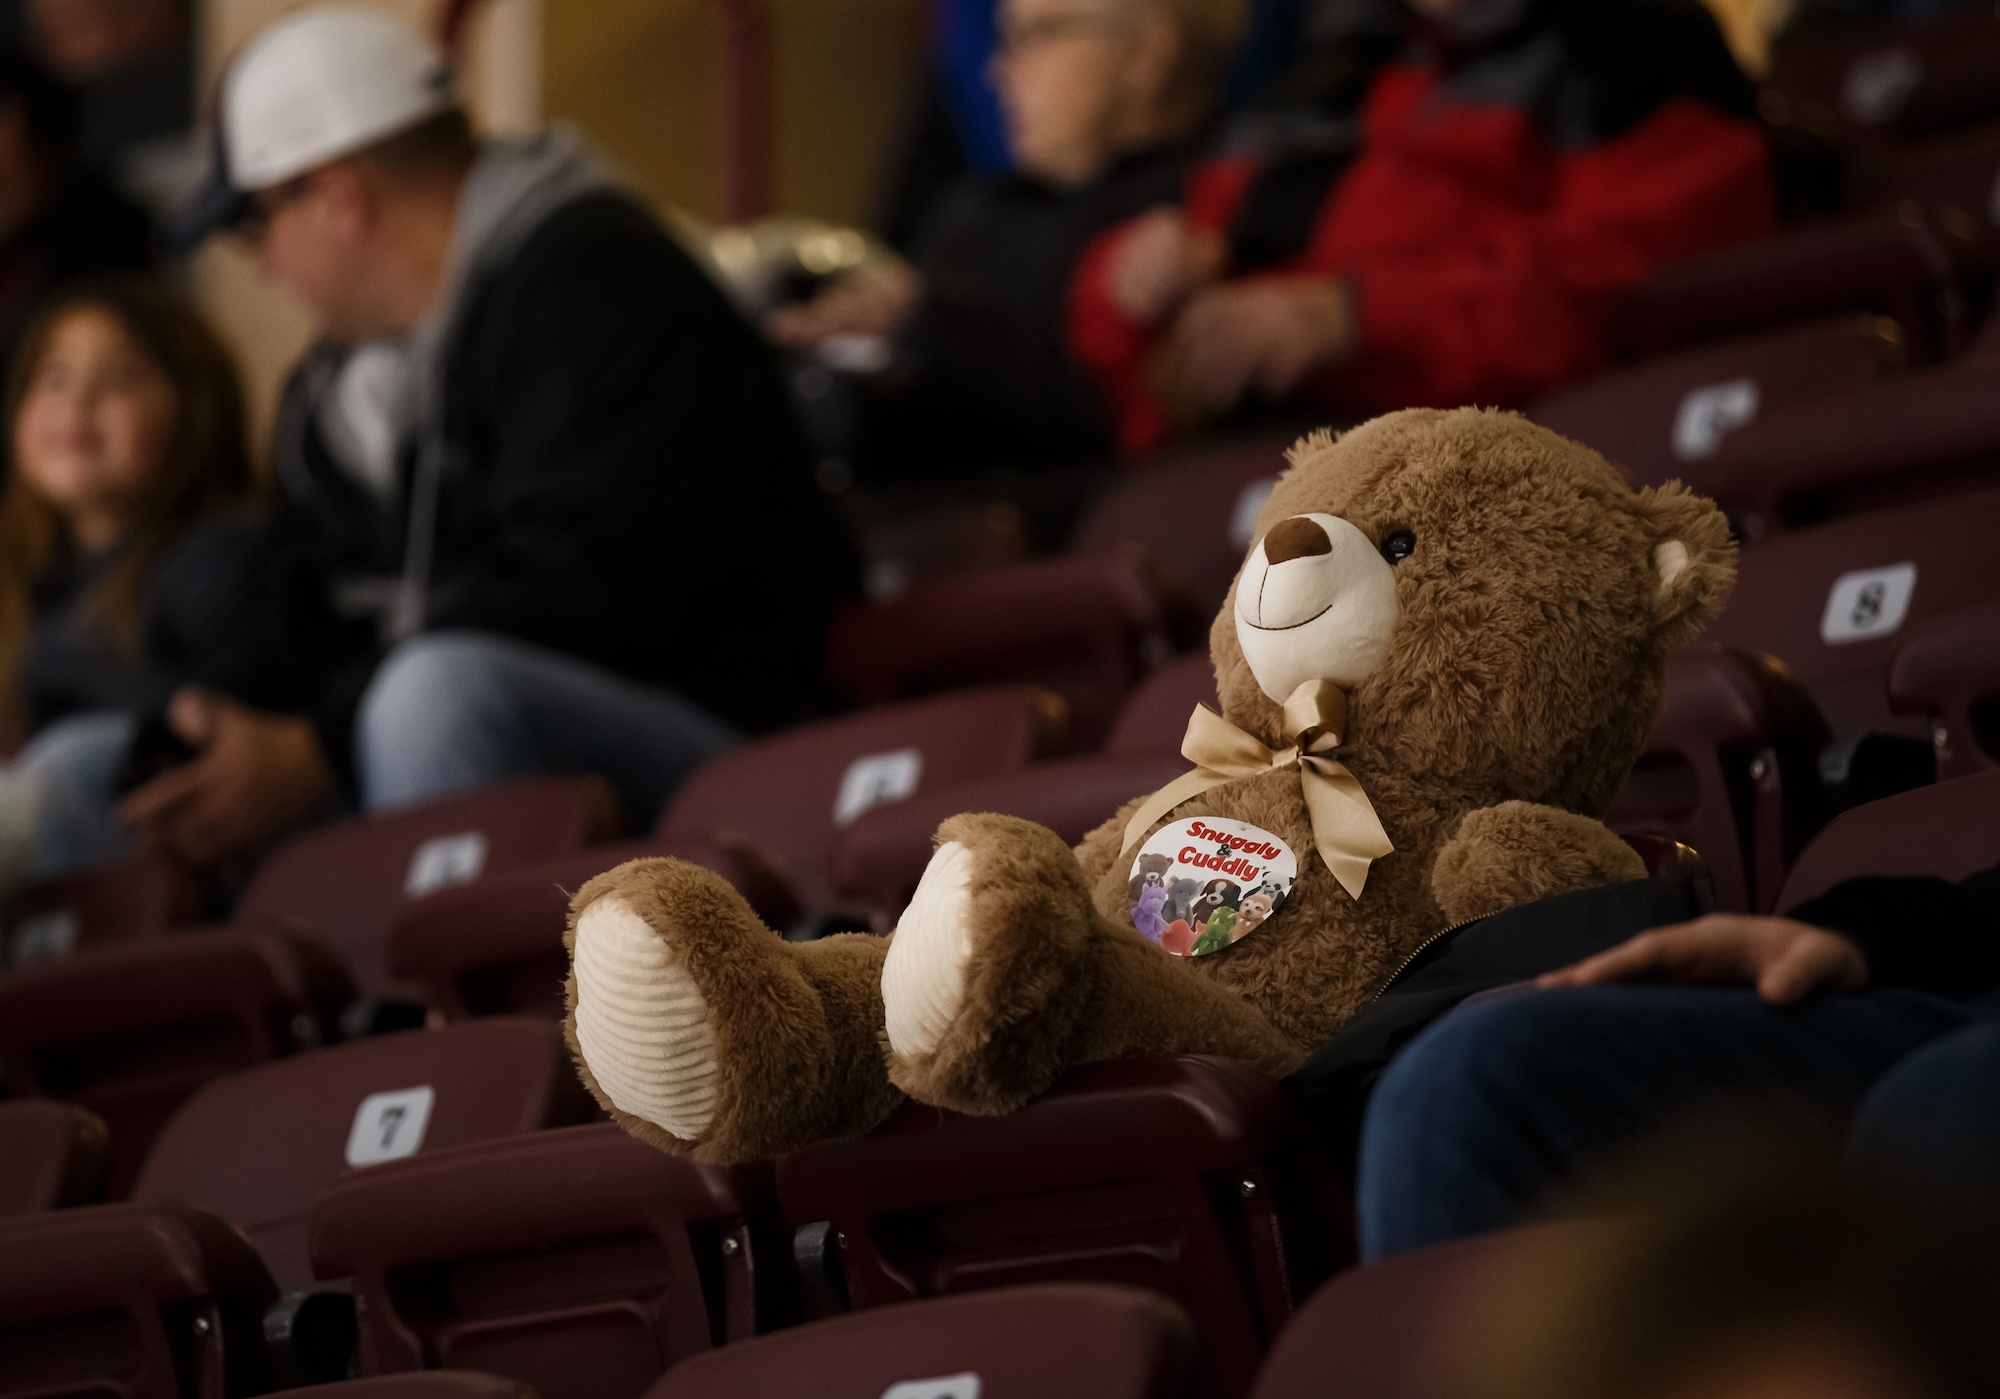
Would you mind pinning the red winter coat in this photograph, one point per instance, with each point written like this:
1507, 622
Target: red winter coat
1483, 258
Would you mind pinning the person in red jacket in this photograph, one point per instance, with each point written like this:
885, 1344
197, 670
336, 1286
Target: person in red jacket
1524, 163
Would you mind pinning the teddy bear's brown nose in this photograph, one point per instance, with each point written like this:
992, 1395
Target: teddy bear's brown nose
1295, 538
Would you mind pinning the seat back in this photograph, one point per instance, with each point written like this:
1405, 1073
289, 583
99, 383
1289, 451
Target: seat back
1190, 514
1881, 264
1949, 830
790, 795
1731, 769
1832, 602
346, 882
579, 1260
51, 1155
1953, 173
428, 1384
257, 1147
1925, 435
1949, 669
1155, 718
131, 1031
1864, 79
1396, 1329
1083, 628
1055, 1341
158, 1301
495, 947
89, 908
1186, 1176
1655, 418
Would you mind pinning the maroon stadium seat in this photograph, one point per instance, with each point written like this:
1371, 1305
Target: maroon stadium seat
1655, 418
257, 1147
1184, 1175
1190, 515
879, 859
1731, 769
1056, 1341
1393, 1329
1896, 265
1861, 79
1833, 602
1086, 628
428, 1384
131, 1031
346, 882
1949, 669
790, 795
51, 1155
92, 907
578, 1260
1924, 435
905, 545
1950, 830
1954, 174
158, 1301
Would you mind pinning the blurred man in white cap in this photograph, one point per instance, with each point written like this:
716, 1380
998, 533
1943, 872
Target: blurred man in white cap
542, 505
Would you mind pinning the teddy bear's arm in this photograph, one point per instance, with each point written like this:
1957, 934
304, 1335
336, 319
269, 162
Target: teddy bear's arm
1516, 852
1101, 848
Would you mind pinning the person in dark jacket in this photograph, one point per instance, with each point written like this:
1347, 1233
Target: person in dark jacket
542, 504
1877, 1001
1102, 101
1525, 162
123, 541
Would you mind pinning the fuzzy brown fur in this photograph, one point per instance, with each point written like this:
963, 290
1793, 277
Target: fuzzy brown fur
1523, 673
797, 1025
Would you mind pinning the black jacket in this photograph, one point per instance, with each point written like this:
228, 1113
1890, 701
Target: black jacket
624, 483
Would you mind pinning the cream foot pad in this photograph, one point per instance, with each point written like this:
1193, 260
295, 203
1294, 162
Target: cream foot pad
641, 1022
923, 977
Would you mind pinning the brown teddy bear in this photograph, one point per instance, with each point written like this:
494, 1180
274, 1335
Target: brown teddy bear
1436, 667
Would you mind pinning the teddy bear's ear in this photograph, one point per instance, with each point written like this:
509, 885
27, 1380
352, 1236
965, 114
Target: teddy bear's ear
1694, 560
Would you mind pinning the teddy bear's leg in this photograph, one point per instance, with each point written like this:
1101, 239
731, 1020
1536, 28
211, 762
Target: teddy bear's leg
1002, 974
701, 1030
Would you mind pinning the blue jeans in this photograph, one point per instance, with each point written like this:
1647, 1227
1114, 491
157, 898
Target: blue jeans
1933, 1121
448, 711
67, 773
1484, 1117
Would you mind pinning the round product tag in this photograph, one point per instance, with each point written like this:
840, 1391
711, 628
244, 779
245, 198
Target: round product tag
1200, 885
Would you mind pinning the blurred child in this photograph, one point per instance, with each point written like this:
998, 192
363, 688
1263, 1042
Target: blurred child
121, 546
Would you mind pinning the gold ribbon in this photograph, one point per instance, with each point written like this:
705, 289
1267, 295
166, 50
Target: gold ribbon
1346, 831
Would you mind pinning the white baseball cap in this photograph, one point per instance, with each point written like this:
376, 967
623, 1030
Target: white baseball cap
325, 82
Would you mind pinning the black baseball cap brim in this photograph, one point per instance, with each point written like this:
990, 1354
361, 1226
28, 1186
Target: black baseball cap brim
217, 205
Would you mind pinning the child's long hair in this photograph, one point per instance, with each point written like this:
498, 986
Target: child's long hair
207, 464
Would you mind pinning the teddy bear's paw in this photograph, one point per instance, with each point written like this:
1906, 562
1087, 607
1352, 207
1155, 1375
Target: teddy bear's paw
1516, 852
923, 978
641, 1024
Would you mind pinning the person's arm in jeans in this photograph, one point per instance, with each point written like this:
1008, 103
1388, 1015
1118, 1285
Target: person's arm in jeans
1919, 933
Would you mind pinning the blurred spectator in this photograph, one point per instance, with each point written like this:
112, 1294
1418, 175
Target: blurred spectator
1745, 1270
121, 548
1530, 160
131, 64
542, 504
59, 220
1497, 1108
1101, 98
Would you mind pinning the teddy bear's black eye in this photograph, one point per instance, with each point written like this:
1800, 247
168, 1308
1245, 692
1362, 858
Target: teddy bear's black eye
1398, 546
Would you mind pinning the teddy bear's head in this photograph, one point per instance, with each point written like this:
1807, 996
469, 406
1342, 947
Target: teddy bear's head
1496, 601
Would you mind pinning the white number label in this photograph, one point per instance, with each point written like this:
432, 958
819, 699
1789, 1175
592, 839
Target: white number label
443, 861
1709, 414
965, 1386
877, 778
389, 1126
1878, 84
1868, 603
44, 937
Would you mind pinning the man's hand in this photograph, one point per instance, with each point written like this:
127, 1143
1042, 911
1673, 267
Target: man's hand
873, 300
1264, 336
1160, 260
1784, 960
253, 778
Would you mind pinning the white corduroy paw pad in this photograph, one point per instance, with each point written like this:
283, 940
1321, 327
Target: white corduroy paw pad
641, 1023
923, 977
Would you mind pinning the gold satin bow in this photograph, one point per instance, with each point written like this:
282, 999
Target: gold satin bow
1346, 831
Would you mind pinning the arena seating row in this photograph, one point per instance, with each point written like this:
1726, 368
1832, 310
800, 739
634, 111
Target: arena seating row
425, 1176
